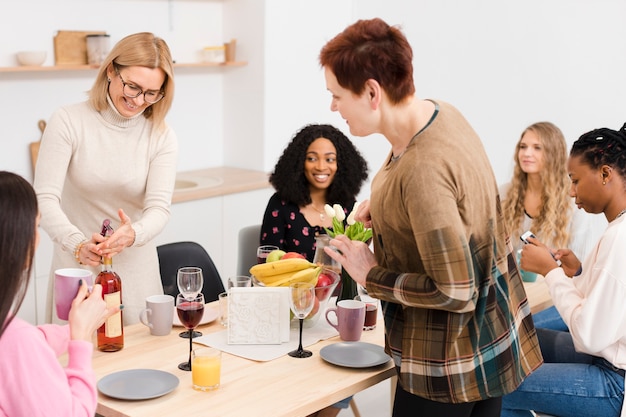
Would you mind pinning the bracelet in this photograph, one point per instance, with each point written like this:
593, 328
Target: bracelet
77, 251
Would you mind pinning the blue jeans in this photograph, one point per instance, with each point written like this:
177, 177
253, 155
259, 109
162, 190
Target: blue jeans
345, 403
569, 383
550, 319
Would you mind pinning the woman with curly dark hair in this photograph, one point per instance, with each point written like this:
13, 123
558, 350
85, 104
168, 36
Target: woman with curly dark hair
319, 166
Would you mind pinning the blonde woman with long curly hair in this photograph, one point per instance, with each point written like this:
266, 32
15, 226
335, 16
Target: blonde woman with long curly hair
537, 199
538, 196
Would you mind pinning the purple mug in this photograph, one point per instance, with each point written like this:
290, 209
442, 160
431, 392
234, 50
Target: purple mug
350, 315
66, 287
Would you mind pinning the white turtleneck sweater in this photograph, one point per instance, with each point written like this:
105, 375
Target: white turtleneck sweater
90, 165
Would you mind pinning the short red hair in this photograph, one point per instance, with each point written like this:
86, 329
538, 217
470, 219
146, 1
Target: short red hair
371, 49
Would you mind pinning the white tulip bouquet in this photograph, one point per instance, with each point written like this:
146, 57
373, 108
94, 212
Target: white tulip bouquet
354, 231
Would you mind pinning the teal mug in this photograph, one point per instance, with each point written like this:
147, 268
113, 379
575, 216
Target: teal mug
526, 275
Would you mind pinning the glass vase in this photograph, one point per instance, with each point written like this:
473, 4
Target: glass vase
348, 288
321, 258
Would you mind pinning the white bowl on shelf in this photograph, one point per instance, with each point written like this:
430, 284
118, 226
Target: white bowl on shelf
31, 58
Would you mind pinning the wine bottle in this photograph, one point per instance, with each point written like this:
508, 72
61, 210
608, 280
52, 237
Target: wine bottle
111, 333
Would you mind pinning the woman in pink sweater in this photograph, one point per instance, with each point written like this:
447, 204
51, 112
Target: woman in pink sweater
32, 381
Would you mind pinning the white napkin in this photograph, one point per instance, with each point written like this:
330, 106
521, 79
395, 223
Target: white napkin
321, 331
258, 315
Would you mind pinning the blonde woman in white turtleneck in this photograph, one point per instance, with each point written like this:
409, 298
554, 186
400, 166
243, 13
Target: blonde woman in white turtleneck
112, 157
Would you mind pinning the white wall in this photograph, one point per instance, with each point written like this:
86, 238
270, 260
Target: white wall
506, 65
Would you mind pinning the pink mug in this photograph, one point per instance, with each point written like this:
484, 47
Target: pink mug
350, 316
66, 286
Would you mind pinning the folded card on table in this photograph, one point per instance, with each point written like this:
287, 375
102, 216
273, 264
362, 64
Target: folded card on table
258, 315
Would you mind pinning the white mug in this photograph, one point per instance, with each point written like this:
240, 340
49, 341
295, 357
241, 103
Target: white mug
158, 314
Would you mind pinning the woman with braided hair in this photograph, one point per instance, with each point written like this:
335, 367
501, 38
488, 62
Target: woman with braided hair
538, 199
583, 370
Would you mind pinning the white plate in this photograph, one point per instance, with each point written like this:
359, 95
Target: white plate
354, 354
137, 384
210, 314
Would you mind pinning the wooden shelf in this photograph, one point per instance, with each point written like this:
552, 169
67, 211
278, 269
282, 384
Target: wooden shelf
54, 68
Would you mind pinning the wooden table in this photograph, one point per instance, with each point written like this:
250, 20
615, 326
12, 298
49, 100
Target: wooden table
286, 386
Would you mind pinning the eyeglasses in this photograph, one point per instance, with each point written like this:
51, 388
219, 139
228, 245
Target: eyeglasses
132, 91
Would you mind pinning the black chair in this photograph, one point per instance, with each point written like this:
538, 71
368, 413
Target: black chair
173, 256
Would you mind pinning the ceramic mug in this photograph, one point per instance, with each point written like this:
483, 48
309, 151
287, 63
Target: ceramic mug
526, 275
66, 287
350, 315
158, 314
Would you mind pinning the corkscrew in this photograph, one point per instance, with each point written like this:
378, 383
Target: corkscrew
107, 229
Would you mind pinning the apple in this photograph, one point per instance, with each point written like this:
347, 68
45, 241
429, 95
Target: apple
275, 255
323, 280
316, 307
290, 255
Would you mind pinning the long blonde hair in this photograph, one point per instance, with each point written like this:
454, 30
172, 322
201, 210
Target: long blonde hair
552, 224
139, 49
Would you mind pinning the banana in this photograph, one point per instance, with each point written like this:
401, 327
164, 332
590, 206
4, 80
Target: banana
280, 267
305, 275
269, 280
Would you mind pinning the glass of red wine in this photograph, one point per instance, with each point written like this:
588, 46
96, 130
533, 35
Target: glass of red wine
263, 251
190, 313
190, 281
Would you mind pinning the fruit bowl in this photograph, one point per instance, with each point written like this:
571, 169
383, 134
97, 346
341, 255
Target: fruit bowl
322, 295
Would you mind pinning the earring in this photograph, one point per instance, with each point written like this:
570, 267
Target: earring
108, 79
603, 182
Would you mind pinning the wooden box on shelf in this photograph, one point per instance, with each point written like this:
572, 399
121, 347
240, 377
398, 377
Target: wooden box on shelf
70, 46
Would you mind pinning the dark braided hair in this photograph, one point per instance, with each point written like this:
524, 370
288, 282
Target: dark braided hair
290, 182
603, 147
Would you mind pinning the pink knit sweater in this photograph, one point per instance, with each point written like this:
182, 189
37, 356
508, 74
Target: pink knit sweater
32, 381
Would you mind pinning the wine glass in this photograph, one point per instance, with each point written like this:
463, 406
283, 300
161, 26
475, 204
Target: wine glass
301, 299
190, 282
190, 313
263, 251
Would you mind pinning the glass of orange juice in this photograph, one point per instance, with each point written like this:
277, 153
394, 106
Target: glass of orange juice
206, 364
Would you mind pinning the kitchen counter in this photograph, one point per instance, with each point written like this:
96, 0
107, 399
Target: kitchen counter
218, 181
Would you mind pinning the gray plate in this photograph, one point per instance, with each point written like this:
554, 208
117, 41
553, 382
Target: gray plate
137, 384
354, 354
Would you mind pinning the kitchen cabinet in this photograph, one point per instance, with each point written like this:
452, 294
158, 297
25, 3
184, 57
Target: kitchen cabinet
34, 304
